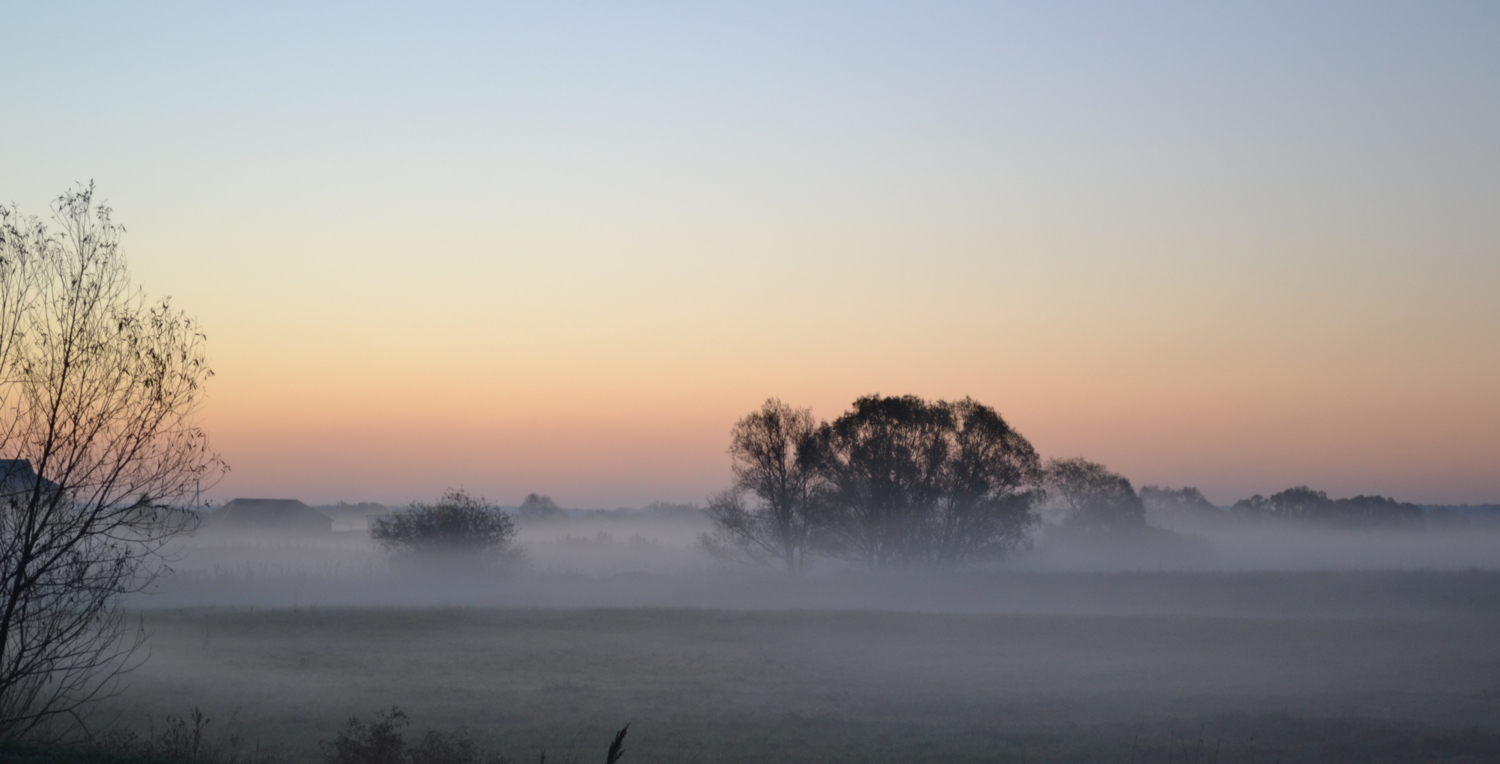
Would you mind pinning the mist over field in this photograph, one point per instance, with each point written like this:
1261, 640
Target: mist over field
626, 558
1223, 641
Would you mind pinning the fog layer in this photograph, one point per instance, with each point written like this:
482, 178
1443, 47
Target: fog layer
625, 560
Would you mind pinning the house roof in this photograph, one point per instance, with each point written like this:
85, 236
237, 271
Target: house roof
16, 476
271, 513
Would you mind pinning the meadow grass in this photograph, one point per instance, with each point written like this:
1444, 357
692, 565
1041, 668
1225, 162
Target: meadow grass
701, 685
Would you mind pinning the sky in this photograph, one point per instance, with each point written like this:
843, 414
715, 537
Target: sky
561, 248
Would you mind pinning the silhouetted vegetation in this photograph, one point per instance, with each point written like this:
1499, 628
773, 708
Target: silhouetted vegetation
775, 466
98, 394
382, 742
540, 509
1091, 496
666, 511
185, 741
1179, 500
894, 482
1307, 505
617, 746
912, 482
456, 525
176, 741
901, 482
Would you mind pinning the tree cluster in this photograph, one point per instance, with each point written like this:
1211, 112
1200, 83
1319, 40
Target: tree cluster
900, 482
893, 482
1307, 505
1299, 505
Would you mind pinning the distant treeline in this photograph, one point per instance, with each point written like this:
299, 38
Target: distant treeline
1302, 504
899, 481
538, 509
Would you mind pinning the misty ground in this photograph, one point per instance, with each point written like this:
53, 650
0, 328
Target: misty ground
1246, 646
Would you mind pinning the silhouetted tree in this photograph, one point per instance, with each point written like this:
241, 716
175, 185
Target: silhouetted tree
541, 509
99, 389
770, 458
457, 525
912, 482
1093, 497
1167, 505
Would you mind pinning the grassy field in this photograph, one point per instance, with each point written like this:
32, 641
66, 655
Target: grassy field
702, 685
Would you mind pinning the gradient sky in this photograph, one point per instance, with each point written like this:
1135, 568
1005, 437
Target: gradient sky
562, 248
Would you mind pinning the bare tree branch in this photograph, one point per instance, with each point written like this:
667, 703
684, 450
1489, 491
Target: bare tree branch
99, 392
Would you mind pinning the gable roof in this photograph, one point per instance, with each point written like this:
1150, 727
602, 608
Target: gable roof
271, 515
17, 476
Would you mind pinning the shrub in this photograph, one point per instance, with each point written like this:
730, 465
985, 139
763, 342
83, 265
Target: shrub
178, 740
381, 742
458, 524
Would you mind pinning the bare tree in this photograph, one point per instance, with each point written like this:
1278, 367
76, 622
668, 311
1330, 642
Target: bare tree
1092, 496
769, 449
98, 393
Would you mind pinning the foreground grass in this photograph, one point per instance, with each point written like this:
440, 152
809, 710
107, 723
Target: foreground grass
842, 686
33, 753
1220, 739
